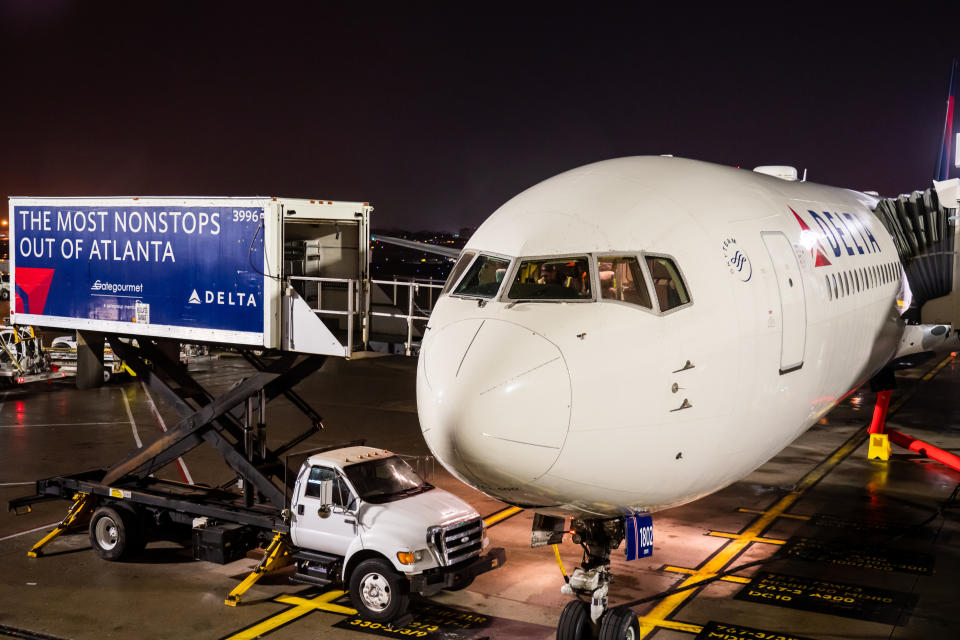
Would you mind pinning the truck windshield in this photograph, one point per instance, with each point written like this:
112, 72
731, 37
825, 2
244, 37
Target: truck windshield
385, 480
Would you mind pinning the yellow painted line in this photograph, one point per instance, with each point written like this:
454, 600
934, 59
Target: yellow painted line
659, 614
760, 512
670, 624
499, 516
301, 607
737, 579
737, 536
930, 374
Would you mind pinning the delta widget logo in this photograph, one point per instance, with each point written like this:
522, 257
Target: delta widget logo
33, 286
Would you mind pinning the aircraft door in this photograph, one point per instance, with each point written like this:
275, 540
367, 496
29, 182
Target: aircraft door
793, 305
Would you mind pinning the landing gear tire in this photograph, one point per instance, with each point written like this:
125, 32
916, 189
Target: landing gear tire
619, 624
115, 533
378, 592
107, 374
575, 622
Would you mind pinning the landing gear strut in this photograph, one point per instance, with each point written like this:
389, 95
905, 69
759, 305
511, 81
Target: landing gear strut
587, 617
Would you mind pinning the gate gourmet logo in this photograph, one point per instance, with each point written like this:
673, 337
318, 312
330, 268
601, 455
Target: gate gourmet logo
115, 288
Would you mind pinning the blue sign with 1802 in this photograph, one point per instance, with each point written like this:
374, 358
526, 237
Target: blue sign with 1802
182, 266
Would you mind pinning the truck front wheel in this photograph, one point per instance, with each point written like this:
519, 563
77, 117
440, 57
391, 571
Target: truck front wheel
378, 592
114, 533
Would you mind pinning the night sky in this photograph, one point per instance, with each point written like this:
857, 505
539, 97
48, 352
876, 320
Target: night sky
439, 113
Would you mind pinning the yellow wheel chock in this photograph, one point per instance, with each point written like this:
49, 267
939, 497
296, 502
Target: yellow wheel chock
277, 556
81, 507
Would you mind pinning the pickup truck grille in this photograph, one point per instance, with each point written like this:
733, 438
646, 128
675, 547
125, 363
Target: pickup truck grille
457, 542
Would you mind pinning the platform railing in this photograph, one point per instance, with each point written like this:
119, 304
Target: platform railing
415, 312
419, 295
349, 286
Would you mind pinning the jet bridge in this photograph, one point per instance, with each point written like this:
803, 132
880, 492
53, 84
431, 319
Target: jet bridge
924, 228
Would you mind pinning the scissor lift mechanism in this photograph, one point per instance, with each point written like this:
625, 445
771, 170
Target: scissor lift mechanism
225, 422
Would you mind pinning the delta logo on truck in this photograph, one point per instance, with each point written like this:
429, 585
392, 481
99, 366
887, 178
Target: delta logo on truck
224, 298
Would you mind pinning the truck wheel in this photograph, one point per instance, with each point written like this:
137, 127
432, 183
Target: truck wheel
378, 592
619, 624
115, 534
575, 622
107, 374
460, 582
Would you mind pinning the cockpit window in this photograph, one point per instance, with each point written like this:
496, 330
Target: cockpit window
484, 277
552, 279
458, 268
622, 279
671, 291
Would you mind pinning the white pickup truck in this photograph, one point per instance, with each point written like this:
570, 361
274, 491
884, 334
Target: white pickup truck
358, 517
363, 517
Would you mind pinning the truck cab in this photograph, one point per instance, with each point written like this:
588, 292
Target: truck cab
364, 518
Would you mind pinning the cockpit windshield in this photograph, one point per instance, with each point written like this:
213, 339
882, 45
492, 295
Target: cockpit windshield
484, 277
552, 279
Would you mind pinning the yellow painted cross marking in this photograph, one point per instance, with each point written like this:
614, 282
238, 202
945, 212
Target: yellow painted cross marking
737, 579
737, 536
666, 607
673, 625
300, 608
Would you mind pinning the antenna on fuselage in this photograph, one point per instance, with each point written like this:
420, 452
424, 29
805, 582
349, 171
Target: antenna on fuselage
804, 178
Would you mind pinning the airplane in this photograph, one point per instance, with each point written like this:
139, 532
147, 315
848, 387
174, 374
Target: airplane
638, 333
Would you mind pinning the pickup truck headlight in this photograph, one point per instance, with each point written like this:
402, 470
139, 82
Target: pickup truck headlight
410, 557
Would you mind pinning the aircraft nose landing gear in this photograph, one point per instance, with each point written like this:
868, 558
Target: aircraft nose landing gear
584, 619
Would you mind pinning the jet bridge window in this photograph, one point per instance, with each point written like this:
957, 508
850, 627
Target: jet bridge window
622, 279
483, 278
457, 270
552, 279
671, 291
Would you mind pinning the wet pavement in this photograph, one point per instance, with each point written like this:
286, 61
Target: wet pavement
844, 547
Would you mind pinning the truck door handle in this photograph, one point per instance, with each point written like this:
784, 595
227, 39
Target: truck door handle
350, 521
299, 509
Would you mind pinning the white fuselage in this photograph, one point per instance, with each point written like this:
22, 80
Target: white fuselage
590, 407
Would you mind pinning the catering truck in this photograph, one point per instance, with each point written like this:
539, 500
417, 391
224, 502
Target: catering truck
359, 518
264, 272
284, 282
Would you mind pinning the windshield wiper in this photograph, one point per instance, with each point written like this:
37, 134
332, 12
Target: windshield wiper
514, 303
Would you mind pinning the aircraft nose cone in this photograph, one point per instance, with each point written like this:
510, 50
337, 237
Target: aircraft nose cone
494, 402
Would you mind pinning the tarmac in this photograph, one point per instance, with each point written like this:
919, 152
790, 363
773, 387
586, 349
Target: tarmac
837, 546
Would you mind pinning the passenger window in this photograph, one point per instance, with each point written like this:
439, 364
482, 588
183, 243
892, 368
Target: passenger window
833, 281
341, 493
458, 269
552, 279
484, 277
829, 291
671, 292
622, 279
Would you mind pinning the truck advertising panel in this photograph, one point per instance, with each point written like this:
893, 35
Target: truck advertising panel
188, 268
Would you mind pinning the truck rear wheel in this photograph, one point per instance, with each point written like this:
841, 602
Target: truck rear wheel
115, 533
378, 592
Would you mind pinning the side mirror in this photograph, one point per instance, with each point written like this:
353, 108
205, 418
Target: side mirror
326, 498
